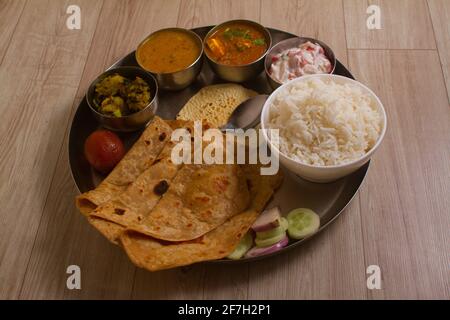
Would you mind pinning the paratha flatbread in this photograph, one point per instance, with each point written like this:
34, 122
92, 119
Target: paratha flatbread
153, 255
110, 230
132, 205
139, 158
200, 198
215, 234
215, 103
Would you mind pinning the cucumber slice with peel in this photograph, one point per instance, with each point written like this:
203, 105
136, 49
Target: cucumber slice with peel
243, 246
303, 222
270, 233
260, 243
284, 223
275, 231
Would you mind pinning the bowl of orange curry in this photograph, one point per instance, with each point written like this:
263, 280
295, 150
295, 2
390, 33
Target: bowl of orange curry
173, 56
236, 49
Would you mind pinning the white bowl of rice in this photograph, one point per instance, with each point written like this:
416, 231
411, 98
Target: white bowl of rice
328, 125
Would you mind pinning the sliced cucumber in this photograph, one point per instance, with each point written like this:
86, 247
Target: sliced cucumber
270, 233
284, 223
243, 246
302, 223
275, 231
269, 241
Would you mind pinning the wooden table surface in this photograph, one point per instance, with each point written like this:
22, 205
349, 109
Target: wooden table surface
400, 219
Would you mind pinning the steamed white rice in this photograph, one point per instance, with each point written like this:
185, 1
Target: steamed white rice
324, 123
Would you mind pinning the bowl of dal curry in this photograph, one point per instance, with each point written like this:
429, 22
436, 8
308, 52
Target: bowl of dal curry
236, 49
173, 56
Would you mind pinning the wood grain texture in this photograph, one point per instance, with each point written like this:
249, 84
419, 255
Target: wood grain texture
10, 11
107, 271
404, 202
399, 220
320, 19
65, 238
330, 266
440, 17
210, 12
405, 24
38, 80
339, 250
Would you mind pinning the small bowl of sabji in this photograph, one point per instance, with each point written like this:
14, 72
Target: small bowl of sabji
123, 98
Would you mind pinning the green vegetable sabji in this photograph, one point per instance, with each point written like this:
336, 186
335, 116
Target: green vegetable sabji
118, 96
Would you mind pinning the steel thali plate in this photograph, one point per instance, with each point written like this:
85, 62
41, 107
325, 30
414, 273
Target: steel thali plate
328, 200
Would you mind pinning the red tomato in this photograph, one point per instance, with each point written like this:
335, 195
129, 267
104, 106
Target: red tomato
103, 150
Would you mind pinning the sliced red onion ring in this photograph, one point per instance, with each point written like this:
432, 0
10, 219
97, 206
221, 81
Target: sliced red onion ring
255, 251
269, 219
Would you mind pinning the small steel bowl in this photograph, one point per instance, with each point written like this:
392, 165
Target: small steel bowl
240, 73
134, 121
179, 79
293, 43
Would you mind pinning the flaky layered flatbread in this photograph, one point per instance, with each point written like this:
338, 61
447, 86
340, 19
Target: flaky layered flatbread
139, 158
151, 254
166, 214
200, 198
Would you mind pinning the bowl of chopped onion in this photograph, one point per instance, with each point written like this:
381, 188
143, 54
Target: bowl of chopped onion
297, 57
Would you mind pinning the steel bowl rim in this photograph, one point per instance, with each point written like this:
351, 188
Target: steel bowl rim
188, 31
216, 27
364, 170
320, 42
367, 155
93, 83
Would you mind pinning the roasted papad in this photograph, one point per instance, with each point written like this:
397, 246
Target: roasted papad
215, 103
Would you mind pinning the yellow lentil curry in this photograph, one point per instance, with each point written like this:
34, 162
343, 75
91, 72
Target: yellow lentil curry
168, 51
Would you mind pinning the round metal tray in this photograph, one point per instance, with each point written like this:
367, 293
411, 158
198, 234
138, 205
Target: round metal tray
328, 200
